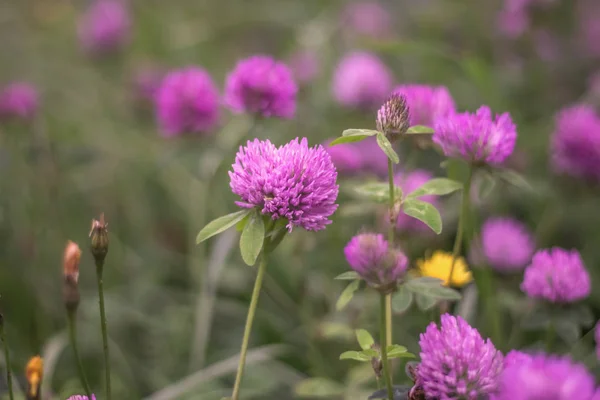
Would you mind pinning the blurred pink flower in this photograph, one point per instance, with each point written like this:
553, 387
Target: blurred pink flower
368, 18
305, 65
105, 26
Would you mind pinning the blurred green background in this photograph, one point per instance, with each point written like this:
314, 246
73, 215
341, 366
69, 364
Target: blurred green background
176, 310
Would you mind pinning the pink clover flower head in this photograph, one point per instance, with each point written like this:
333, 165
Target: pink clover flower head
557, 275
262, 86
187, 101
477, 138
105, 26
426, 103
293, 181
507, 244
369, 254
18, 100
456, 363
361, 80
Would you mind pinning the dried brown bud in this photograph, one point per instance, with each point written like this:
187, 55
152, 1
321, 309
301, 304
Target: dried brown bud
71, 259
34, 373
99, 238
377, 367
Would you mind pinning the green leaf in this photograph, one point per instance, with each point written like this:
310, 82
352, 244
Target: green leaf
424, 212
221, 224
444, 293
354, 355
456, 169
401, 300
348, 276
401, 355
347, 295
486, 184
378, 192
514, 178
436, 187
242, 224
252, 239
319, 387
419, 130
395, 348
365, 340
387, 148
583, 315
567, 330
369, 353
425, 302
422, 283
353, 135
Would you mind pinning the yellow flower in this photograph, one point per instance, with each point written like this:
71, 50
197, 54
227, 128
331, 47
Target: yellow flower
34, 372
439, 265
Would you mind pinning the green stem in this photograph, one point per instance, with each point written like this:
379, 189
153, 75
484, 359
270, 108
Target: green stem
99, 268
391, 231
71, 317
7, 361
466, 193
248, 328
488, 291
388, 318
383, 340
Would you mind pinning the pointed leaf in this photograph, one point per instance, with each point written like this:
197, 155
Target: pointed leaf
424, 212
354, 355
485, 185
359, 132
401, 300
444, 293
347, 295
378, 192
425, 302
242, 224
387, 148
252, 239
348, 276
371, 353
514, 178
436, 187
422, 283
220, 224
365, 340
396, 348
419, 130
401, 355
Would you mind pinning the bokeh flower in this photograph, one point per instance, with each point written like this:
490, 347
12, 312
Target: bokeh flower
575, 144
373, 158
262, 86
513, 23
104, 27
305, 65
367, 18
456, 363
370, 255
545, 377
34, 373
426, 103
361, 80
409, 182
18, 100
516, 357
393, 117
346, 157
476, 138
557, 275
292, 181
507, 244
588, 13
81, 397
439, 266
187, 101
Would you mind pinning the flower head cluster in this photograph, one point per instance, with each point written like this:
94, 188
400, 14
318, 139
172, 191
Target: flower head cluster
104, 27
18, 100
575, 147
370, 255
409, 182
361, 80
263, 86
456, 363
507, 244
368, 18
81, 397
292, 181
478, 137
426, 103
393, 117
439, 266
545, 377
557, 275
187, 101
514, 357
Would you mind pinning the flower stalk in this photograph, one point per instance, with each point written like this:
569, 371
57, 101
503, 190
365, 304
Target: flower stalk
466, 196
384, 340
72, 322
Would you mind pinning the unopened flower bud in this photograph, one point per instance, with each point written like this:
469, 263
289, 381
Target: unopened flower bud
71, 259
34, 372
393, 117
99, 239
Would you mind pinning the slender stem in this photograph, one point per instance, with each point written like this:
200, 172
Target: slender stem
391, 231
72, 321
466, 193
7, 361
388, 318
99, 268
248, 328
383, 340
